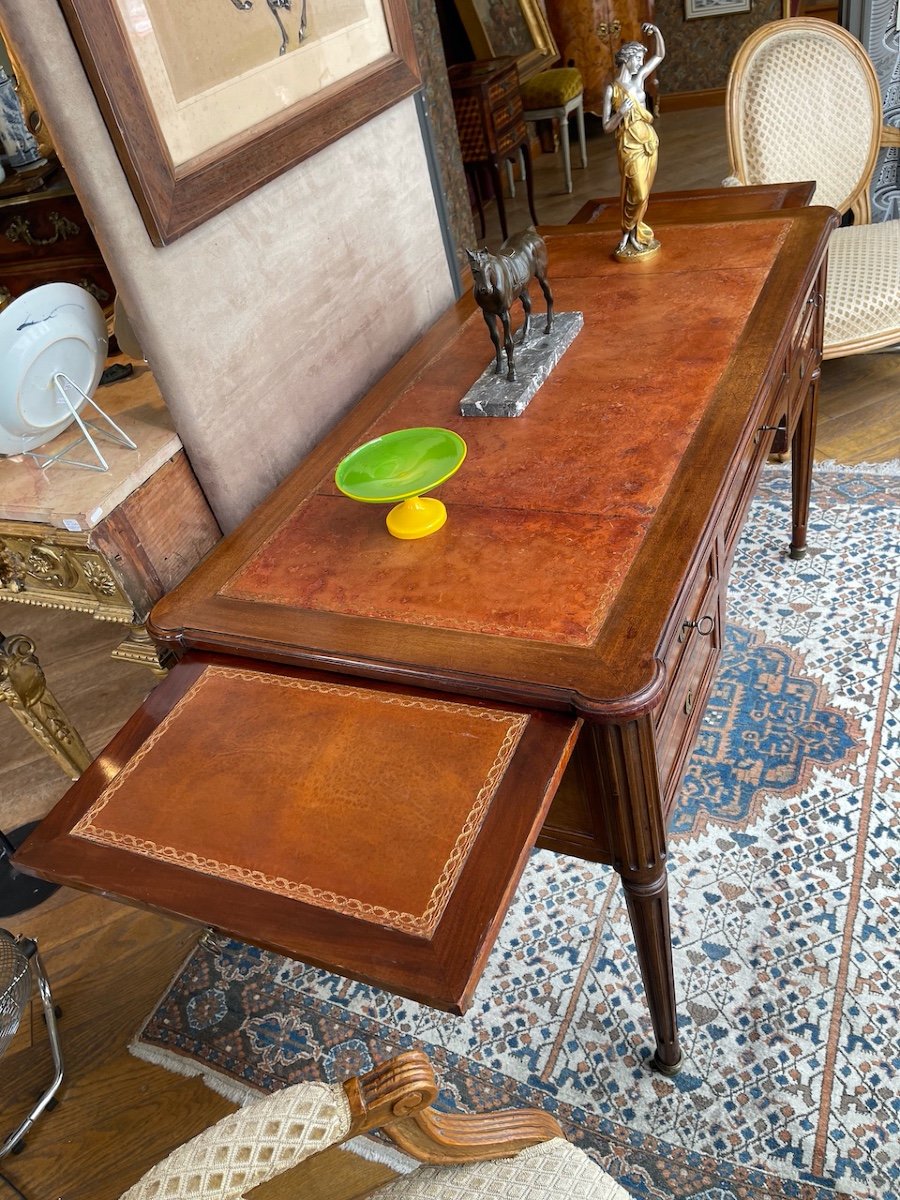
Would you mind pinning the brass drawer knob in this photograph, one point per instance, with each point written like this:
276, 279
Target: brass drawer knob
704, 627
689, 702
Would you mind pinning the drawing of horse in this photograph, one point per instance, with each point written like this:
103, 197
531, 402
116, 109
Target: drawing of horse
274, 5
504, 277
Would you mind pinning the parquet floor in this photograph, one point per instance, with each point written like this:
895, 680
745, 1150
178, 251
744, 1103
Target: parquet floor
108, 964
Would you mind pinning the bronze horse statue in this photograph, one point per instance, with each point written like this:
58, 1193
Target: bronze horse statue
504, 277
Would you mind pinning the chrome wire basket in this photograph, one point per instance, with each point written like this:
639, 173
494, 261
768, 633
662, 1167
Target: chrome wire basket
15, 979
18, 957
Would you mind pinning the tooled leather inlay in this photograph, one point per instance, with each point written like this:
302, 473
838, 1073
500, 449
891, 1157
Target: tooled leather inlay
549, 510
362, 802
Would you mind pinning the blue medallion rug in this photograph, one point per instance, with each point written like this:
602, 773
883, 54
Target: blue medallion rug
785, 891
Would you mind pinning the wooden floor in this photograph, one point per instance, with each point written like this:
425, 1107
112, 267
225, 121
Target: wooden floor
109, 964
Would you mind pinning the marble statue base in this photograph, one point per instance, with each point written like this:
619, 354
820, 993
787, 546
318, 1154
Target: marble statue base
495, 396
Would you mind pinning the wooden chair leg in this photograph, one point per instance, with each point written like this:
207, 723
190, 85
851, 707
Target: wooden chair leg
24, 689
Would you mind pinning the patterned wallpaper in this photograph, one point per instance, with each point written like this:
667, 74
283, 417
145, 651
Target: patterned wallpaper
443, 123
699, 52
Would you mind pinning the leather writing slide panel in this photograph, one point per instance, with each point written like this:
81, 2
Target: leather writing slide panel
384, 815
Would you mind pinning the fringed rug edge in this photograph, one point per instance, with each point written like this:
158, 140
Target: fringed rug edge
890, 467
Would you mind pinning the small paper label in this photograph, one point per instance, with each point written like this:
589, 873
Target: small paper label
95, 516
71, 525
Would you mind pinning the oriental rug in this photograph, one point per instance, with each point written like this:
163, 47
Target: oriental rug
785, 911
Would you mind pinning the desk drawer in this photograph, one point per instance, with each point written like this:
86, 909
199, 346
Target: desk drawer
693, 655
508, 139
374, 831
695, 621
805, 354
502, 87
754, 453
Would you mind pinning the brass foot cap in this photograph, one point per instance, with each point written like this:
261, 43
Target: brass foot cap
665, 1068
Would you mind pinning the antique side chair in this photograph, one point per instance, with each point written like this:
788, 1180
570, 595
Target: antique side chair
518, 1153
803, 102
554, 95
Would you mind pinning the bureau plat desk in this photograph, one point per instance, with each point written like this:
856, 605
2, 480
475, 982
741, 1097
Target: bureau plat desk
365, 737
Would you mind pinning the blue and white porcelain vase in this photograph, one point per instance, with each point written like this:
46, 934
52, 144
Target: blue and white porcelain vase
18, 142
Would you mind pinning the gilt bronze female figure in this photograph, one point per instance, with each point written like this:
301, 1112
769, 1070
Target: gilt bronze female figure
625, 113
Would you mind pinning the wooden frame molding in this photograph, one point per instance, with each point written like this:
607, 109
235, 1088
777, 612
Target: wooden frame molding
174, 199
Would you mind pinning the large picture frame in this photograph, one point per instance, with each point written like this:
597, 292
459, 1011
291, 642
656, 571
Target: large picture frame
714, 8
503, 28
208, 101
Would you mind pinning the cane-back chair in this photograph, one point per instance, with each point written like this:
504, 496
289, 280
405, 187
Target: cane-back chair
803, 102
518, 1153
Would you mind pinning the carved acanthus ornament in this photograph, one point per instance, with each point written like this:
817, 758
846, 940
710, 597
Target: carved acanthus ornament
24, 689
12, 569
53, 567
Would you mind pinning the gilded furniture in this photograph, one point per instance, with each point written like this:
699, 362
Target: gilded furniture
412, 717
589, 32
515, 1153
44, 238
803, 102
491, 128
553, 96
23, 688
106, 543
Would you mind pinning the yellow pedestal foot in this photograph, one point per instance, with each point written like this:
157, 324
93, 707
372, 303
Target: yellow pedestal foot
416, 518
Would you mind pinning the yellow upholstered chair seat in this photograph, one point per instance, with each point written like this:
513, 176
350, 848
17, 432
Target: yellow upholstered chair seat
553, 95
551, 89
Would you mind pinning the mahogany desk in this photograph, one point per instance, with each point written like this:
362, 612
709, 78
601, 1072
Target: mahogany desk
366, 736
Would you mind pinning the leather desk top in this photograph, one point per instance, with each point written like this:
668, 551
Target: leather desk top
570, 528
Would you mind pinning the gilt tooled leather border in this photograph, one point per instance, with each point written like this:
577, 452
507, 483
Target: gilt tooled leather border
424, 924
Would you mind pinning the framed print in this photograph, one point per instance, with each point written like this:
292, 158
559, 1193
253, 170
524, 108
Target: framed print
517, 28
714, 8
208, 100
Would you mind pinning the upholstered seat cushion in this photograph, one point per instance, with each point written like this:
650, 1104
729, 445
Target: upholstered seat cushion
554, 1170
551, 89
862, 287
252, 1145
